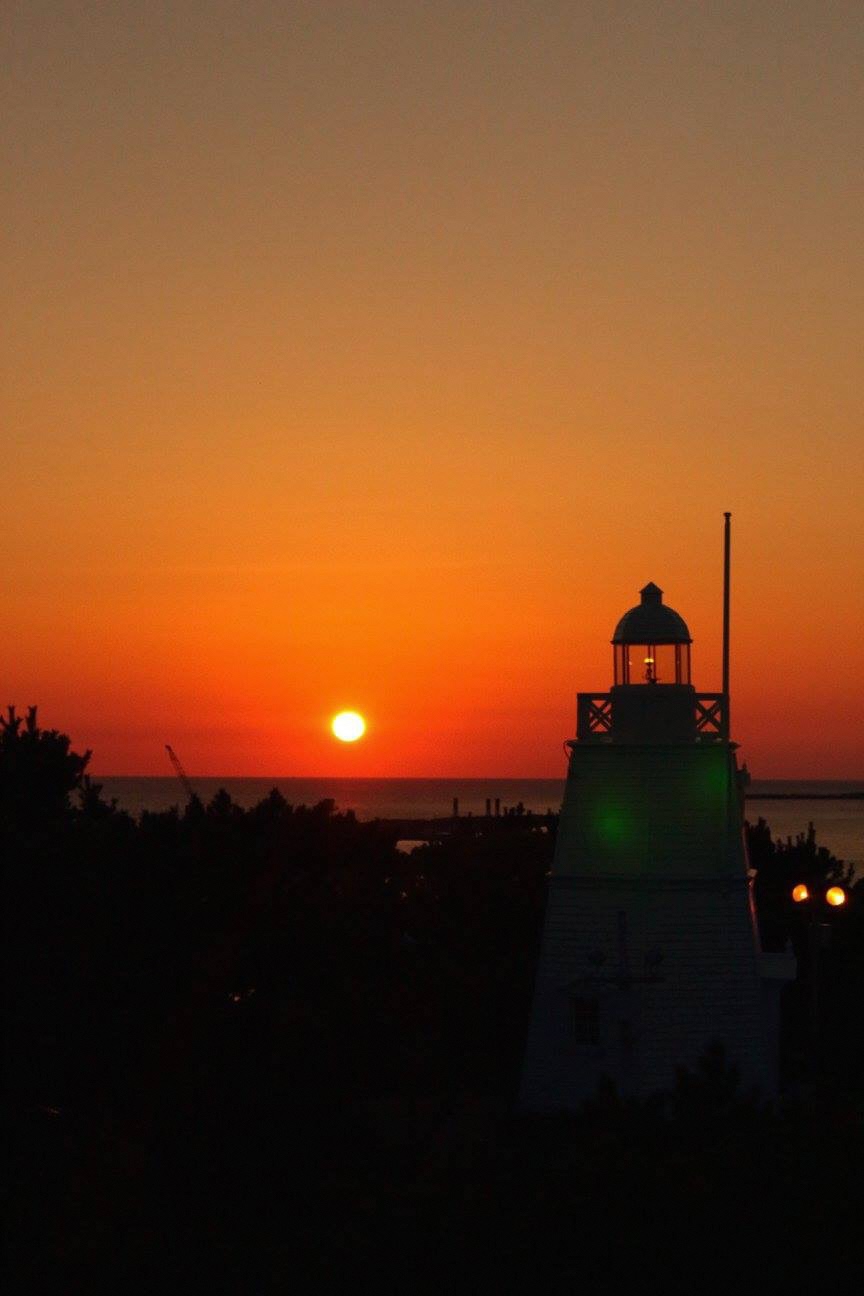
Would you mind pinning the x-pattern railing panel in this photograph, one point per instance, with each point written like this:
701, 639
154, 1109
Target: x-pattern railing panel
710, 713
595, 719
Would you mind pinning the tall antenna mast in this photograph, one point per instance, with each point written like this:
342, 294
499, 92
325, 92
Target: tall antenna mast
727, 547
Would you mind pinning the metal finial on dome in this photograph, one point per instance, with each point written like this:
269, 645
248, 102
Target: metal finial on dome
651, 593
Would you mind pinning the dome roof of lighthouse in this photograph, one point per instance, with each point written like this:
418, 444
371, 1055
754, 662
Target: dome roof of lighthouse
651, 621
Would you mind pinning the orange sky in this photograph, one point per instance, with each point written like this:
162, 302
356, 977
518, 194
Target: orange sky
376, 355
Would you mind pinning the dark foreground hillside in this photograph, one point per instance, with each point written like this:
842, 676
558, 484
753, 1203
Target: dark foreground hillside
252, 1051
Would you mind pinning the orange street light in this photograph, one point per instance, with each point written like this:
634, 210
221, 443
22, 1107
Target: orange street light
800, 893
835, 896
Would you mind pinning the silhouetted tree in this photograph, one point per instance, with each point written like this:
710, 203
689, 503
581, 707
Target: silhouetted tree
38, 772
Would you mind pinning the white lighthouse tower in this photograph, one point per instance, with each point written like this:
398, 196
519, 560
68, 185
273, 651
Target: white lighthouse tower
650, 952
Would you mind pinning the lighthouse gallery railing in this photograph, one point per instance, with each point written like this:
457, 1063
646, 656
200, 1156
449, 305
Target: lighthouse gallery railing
594, 717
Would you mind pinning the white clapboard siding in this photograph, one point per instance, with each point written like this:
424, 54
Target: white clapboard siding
649, 916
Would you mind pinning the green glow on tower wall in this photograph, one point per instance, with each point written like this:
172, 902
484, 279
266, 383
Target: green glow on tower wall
644, 809
614, 825
710, 774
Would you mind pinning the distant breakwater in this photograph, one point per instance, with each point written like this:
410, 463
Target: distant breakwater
804, 796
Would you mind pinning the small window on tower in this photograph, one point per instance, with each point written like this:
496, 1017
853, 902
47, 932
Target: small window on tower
584, 1021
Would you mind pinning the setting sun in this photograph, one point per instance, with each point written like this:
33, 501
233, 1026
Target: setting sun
348, 726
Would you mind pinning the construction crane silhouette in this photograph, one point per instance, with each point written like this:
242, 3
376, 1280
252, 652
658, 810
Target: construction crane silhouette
181, 773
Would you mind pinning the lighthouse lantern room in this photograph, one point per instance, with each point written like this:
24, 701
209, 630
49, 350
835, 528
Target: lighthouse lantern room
651, 643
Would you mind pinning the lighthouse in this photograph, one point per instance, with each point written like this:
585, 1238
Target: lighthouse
650, 953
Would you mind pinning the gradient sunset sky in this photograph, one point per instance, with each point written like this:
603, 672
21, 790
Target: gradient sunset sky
375, 354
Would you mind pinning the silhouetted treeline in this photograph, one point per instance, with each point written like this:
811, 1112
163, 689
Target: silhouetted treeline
248, 1048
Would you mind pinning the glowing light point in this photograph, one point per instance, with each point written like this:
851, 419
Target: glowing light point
800, 893
348, 726
835, 896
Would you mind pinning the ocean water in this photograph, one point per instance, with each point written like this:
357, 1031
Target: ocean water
839, 824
